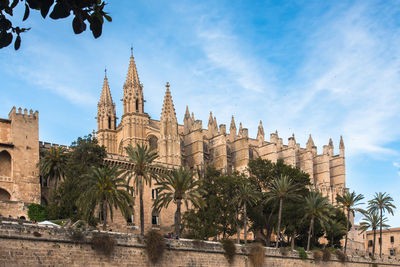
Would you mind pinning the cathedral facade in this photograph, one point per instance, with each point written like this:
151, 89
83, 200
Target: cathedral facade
192, 146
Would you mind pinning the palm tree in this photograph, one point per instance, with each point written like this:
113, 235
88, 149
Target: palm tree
280, 189
53, 164
246, 194
106, 189
371, 220
381, 202
178, 186
318, 208
348, 201
142, 158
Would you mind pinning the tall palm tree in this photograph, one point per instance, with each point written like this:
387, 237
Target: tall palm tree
246, 194
106, 189
372, 220
282, 188
179, 186
142, 158
381, 202
53, 163
318, 208
349, 201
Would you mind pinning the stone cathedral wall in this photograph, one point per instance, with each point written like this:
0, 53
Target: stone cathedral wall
32, 245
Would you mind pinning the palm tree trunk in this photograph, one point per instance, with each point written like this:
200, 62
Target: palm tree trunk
309, 233
104, 206
347, 230
237, 227
245, 222
278, 231
380, 236
178, 218
141, 208
292, 241
373, 244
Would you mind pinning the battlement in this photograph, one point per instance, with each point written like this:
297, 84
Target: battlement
46, 145
18, 112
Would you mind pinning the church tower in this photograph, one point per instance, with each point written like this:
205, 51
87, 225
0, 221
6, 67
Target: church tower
134, 120
106, 119
170, 150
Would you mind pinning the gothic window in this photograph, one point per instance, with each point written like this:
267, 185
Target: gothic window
154, 218
5, 164
153, 141
251, 154
369, 243
392, 239
137, 105
109, 122
4, 195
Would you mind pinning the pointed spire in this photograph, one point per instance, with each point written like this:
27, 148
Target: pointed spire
341, 144
210, 120
330, 142
187, 114
310, 142
168, 109
233, 124
105, 93
260, 132
192, 116
132, 78
240, 129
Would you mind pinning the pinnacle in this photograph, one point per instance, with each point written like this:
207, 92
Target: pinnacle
132, 77
341, 145
330, 142
168, 109
187, 113
233, 125
310, 141
105, 93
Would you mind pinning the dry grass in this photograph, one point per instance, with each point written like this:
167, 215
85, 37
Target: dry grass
257, 255
326, 254
317, 254
230, 249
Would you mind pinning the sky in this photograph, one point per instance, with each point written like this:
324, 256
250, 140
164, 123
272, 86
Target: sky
326, 68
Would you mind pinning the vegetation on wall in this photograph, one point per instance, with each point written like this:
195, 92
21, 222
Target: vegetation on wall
154, 245
229, 249
37, 212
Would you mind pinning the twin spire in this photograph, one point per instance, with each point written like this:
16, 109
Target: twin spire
168, 109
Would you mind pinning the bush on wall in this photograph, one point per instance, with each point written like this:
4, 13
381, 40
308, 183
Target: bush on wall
37, 212
230, 249
103, 243
257, 255
155, 245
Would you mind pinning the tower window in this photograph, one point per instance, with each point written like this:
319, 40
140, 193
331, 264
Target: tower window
137, 105
109, 122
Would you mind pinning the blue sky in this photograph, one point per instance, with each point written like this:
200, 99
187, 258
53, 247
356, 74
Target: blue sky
328, 68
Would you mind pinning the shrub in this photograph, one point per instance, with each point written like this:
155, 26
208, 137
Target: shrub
341, 255
103, 243
76, 235
284, 251
155, 245
317, 254
326, 254
257, 255
37, 234
36, 212
302, 253
230, 249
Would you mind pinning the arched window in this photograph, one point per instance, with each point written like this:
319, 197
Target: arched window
109, 122
153, 141
5, 164
4, 195
137, 105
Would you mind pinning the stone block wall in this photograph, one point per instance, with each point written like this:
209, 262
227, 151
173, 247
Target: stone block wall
33, 245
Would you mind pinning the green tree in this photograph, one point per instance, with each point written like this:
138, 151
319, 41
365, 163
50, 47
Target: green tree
381, 202
318, 208
335, 227
349, 201
52, 165
91, 11
36, 212
142, 158
178, 186
280, 189
246, 194
106, 189
372, 220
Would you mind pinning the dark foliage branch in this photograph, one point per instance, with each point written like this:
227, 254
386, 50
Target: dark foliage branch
84, 11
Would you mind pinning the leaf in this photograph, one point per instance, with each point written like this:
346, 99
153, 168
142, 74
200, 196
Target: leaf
5, 24
60, 11
14, 4
108, 18
26, 14
78, 25
44, 9
5, 39
17, 43
95, 26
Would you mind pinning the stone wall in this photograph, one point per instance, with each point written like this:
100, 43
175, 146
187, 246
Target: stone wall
23, 244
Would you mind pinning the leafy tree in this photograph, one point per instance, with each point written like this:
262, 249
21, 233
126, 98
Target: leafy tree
178, 186
36, 212
348, 201
317, 208
372, 220
335, 227
106, 189
52, 164
280, 189
90, 11
246, 194
381, 202
142, 158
